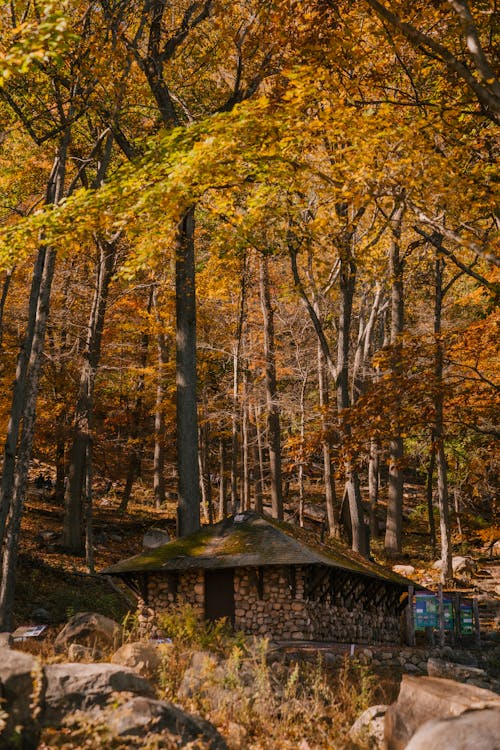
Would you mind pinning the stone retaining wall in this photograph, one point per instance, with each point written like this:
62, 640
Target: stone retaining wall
273, 603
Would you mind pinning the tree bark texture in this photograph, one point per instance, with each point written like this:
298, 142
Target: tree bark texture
394, 523
73, 525
347, 282
442, 472
273, 416
187, 415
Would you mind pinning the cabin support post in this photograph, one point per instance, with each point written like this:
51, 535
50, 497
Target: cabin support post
410, 621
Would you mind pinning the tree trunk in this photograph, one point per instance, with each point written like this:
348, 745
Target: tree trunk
222, 480
235, 418
18, 395
273, 416
3, 298
259, 464
73, 530
187, 415
245, 449
395, 488
347, 281
16, 461
11, 537
159, 448
135, 451
329, 480
442, 473
373, 485
430, 507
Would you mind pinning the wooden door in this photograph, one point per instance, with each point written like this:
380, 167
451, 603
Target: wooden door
219, 594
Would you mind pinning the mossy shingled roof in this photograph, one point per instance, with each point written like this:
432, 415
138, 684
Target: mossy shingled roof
248, 540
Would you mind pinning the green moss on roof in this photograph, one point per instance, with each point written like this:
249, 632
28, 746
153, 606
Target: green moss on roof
250, 540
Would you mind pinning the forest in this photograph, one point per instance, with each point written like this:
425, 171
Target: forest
248, 262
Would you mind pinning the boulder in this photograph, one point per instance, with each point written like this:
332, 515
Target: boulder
452, 671
81, 687
462, 566
404, 570
89, 629
20, 683
422, 699
368, 728
155, 538
141, 716
203, 671
143, 657
479, 730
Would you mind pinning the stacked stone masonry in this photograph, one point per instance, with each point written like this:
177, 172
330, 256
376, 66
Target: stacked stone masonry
279, 603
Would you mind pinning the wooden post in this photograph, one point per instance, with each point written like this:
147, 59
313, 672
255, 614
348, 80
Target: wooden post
410, 622
477, 624
442, 634
456, 617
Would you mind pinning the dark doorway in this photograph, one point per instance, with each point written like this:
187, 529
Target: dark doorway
219, 594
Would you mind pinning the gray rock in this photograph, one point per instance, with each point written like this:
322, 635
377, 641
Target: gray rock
479, 730
155, 538
19, 696
369, 727
80, 687
141, 716
451, 671
89, 629
203, 665
143, 657
422, 699
463, 566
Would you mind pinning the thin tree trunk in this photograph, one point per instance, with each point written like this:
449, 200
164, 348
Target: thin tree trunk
347, 280
73, 532
235, 418
222, 479
18, 395
3, 298
329, 480
17, 461
395, 488
442, 473
88, 505
260, 452
373, 485
135, 453
302, 433
430, 507
257, 478
11, 537
273, 416
187, 415
245, 448
159, 429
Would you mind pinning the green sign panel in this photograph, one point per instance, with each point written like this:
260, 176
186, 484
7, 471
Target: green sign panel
466, 618
426, 611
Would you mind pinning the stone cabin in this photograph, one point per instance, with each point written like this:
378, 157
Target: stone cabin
268, 580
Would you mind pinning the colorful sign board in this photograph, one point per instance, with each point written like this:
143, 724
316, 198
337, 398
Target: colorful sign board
426, 613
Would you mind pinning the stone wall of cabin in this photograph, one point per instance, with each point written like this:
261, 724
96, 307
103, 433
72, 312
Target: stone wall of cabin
166, 589
281, 605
